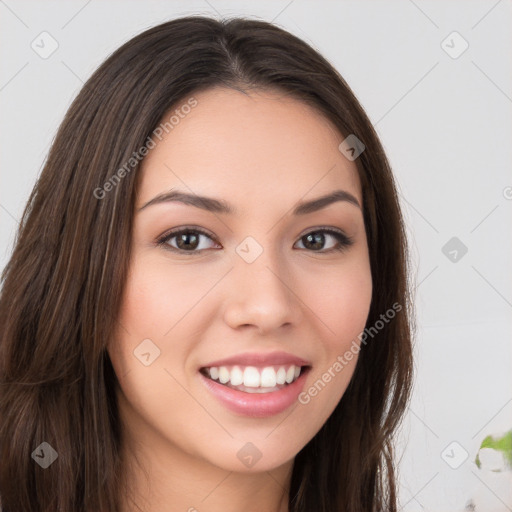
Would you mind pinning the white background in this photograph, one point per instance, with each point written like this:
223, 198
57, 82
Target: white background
447, 128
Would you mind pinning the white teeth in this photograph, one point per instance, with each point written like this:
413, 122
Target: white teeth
268, 377
259, 379
259, 390
237, 376
251, 377
223, 375
280, 376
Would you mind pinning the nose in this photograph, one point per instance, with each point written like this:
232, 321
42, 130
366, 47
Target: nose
260, 294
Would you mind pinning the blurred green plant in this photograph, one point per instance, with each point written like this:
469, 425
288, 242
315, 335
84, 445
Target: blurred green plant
501, 444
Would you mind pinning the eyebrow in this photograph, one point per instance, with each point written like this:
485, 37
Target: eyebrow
220, 206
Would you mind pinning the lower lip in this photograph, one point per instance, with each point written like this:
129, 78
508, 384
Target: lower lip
257, 405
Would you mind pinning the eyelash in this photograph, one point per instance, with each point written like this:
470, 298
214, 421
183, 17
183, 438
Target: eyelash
343, 240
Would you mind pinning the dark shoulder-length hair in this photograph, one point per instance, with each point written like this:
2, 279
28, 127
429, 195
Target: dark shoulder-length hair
62, 287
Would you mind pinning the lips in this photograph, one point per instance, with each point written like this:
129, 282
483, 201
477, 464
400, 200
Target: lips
256, 385
259, 360
260, 402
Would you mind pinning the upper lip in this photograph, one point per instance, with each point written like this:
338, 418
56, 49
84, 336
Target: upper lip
253, 359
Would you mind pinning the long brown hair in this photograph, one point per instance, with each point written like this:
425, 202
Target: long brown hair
62, 287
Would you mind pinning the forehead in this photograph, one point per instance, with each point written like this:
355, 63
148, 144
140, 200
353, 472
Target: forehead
263, 145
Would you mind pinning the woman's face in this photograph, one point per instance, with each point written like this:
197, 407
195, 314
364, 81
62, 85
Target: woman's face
261, 286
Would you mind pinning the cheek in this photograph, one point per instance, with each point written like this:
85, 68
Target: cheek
158, 294
155, 298
340, 298
331, 377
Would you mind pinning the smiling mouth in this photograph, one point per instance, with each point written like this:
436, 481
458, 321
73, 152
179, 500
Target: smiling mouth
253, 379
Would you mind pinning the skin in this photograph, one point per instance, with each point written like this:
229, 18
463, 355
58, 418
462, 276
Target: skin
261, 152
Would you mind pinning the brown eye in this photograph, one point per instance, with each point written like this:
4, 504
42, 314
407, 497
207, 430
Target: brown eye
186, 240
315, 240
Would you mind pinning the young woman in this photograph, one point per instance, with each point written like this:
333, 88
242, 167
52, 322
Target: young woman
207, 306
